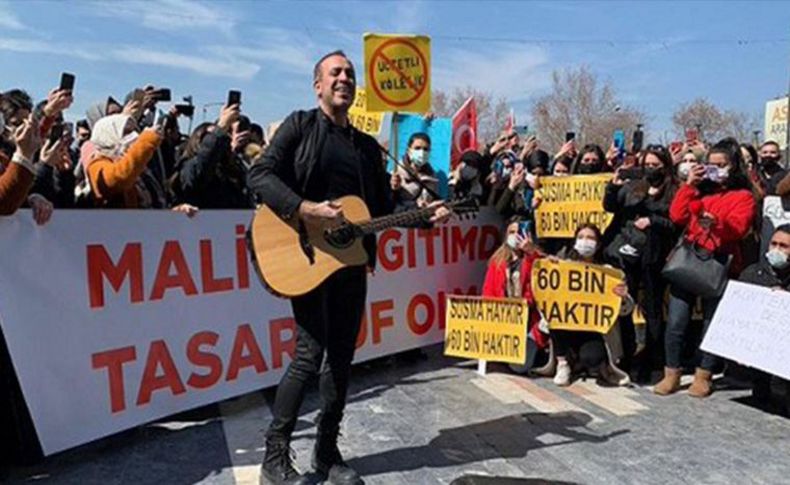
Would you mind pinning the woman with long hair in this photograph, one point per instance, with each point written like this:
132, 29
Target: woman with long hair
646, 235
509, 275
715, 207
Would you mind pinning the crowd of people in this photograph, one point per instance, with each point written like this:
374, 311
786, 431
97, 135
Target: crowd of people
704, 196
132, 154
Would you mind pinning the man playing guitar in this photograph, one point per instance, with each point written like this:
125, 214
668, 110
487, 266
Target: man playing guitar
316, 157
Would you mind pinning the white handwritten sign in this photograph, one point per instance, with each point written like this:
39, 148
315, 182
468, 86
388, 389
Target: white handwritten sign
751, 326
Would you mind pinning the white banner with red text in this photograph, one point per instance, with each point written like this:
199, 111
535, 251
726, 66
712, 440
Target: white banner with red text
118, 318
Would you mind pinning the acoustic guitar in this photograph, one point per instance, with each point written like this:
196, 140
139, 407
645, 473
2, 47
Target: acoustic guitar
293, 258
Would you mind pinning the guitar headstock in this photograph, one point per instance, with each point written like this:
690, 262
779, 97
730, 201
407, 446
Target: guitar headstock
466, 208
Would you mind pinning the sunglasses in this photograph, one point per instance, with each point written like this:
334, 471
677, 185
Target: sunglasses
656, 148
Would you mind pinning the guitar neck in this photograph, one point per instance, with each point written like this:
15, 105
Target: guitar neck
395, 220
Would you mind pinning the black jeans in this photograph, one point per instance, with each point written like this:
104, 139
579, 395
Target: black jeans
327, 322
653, 285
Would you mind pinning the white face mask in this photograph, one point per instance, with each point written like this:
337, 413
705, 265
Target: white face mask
777, 258
585, 247
418, 156
512, 241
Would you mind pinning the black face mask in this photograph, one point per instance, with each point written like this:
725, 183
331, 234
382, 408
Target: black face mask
769, 160
586, 169
468, 173
654, 176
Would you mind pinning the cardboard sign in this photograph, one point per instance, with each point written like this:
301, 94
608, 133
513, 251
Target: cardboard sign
362, 119
398, 72
567, 202
438, 130
750, 327
493, 329
776, 122
577, 296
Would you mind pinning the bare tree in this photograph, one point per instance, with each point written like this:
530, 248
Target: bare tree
491, 113
578, 102
714, 123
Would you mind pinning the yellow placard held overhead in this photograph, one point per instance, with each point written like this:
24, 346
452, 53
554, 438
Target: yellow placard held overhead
362, 119
576, 296
567, 202
398, 72
492, 329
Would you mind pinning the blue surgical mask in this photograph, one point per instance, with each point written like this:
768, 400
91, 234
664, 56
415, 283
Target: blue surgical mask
777, 258
418, 156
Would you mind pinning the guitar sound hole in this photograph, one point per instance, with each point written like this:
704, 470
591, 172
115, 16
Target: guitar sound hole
340, 238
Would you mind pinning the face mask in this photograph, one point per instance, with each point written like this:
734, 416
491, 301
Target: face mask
654, 176
418, 156
777, 258
586, 169
506, 172
127, 141
769, 160
683, 169
722, 175
512, 241
468, 173
585, 247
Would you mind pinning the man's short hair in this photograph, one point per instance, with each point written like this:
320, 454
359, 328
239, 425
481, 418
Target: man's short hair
785, 228
317, 68
770, 142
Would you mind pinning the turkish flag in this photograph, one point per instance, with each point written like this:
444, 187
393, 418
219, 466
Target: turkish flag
464, 131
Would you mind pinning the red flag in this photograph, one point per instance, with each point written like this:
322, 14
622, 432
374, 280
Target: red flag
464, 131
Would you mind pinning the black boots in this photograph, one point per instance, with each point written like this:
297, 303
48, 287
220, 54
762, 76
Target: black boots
277, 467
328, 462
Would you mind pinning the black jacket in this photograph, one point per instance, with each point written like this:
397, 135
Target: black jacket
763, 274
282, 177
629, 202
214, 178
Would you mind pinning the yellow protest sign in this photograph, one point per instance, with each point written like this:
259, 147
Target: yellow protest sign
567, 202
492, 329
398, 72
576, 296
362, 119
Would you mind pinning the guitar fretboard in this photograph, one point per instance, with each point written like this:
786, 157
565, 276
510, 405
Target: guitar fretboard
401, 219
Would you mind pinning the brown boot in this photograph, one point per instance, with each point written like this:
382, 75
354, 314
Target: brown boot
702, 385
670, 383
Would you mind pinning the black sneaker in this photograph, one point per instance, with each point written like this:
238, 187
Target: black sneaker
277, 467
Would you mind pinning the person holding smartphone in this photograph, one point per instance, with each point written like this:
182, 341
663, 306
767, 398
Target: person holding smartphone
210, 173
639, 198
715, 208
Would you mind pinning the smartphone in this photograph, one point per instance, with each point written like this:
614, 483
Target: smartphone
67, 81
711, 172
521, 130
187, 110
162, 94
234, 97
692, 135
56, 133
637, 141
675, 146
619, 141
68, 128
569, 135
524, 228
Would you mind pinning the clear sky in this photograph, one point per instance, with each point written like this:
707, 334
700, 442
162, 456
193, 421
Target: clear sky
657, 54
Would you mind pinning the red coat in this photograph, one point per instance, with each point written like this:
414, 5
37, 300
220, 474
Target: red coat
495, 286
733, 211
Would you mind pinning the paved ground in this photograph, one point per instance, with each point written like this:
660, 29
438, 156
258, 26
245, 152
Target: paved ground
437, 420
